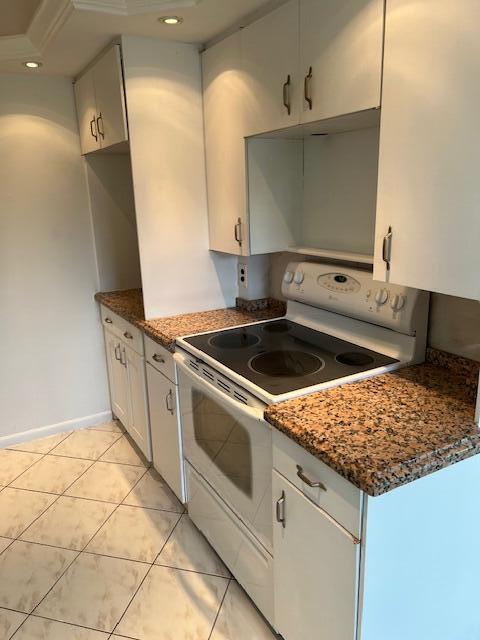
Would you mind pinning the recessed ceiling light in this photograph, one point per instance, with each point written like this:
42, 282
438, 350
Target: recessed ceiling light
171, 19
31, 64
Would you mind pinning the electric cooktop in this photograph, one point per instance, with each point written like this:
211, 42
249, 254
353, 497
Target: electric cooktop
282, 356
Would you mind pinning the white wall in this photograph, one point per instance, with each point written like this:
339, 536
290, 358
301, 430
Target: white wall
164, 104
115, 228
455, 325
52, 364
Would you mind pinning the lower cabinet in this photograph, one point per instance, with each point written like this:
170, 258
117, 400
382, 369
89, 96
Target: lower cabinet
165, 430
315, 569
138, 423
117, 375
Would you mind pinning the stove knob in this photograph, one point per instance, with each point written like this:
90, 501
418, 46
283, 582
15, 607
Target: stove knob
299, 277
288, 277
381, 296
398, 302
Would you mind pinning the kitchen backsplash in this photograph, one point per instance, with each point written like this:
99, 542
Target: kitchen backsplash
454, 322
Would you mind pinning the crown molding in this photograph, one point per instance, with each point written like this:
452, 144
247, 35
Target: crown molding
132, 7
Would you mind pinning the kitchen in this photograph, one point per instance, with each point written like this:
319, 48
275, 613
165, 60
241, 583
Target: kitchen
240, 319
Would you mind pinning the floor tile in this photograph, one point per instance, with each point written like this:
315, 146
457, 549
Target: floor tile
19, 509
9, 623
28, 571
52, 474
113, 426
188, 603
134, 533
13, 463
4, 542
239, 619
40, 629
188, 549
94, 592
86, 444
42, 445
153, 492
124, 453
106, 481
69, 523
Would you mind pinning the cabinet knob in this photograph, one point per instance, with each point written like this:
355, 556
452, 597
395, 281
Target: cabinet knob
128, 335
158, 358
108, 320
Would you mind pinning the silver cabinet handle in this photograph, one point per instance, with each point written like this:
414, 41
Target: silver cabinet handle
117, 351
387, 248
286, 95
123, 361
238, 231
108, 320
101, 131
307, 87
169, 402
280, 509
92, 131
128, 335
158, 358
306, 479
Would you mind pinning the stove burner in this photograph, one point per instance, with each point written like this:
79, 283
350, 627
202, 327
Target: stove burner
281, 326
238, 340
354, 359
286, 364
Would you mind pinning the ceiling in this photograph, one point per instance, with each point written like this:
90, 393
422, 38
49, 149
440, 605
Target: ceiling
66, 34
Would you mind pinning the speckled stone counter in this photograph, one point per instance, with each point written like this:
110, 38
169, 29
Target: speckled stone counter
391, 429
129, 305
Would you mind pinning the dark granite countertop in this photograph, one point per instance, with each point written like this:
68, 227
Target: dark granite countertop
129, 305
386, 431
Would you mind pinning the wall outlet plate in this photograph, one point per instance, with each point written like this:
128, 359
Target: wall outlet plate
242, 275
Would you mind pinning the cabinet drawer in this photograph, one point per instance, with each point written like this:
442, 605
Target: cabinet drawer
160, 358
111, 321
340, 498
130, 335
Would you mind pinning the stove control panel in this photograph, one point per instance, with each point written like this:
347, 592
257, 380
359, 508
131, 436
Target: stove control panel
354, 293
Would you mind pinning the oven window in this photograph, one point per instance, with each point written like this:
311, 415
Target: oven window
225, 441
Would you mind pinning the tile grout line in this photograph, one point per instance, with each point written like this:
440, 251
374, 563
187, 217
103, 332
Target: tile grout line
40, 452
219, 609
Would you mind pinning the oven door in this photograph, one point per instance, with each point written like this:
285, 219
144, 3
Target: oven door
230, 445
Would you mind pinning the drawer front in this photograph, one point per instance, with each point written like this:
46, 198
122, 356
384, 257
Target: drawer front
130, 335
249, 562
160, 358
338, 497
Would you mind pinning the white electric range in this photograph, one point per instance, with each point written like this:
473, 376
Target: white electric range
340, 327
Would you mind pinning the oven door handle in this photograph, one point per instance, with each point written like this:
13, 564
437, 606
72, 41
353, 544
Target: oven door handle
253, 412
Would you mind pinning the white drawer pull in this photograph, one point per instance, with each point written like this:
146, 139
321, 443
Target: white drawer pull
306, 479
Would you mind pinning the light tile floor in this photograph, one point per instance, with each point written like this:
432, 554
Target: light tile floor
94, 545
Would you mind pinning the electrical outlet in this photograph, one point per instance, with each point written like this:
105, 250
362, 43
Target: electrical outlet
242, 275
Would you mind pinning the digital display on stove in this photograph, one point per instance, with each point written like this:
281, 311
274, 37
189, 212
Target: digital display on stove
280, 356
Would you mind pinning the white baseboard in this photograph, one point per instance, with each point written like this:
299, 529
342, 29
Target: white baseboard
51, 429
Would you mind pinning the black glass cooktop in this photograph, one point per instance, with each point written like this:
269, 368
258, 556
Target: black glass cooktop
282, 356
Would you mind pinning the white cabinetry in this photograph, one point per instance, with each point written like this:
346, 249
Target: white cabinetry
273, 91
225, 129
341, 46
165, 428
126, 376
315, 570
429, 190
100, 99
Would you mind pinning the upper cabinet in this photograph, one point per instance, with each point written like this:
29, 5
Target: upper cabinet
100, 99
341, 45
428, 221
225, 129
273, 92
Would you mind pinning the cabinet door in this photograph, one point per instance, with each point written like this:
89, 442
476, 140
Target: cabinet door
315, 570
110, 98
270, 63
86, 112
139, 427
166, 447
117, 374
429, 188
342, 42
225, 129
